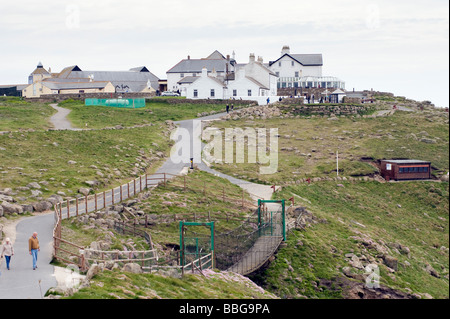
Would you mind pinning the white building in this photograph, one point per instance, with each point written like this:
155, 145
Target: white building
302, 71
252, 81
205, 87
215, 62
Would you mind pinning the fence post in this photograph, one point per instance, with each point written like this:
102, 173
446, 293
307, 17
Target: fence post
104, 199
68, 209
95, 201
85, 204
134, 182
121, 198
128, 189
112, 195
146, 181
140, 183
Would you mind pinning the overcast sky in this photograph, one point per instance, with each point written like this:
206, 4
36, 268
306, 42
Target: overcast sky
397, 46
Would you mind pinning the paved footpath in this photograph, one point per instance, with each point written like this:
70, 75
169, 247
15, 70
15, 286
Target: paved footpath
22, 282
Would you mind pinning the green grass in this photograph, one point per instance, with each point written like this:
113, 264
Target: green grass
156, 110
114, 285
44, 157
308, 146
413, 214
16, 114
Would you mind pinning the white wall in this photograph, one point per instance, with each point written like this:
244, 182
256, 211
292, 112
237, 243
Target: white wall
203, 86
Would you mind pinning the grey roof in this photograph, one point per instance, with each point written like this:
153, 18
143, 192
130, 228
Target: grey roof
74, 85
261, 86
216, 55
308, 59
196, 65
407, 161
128, 81
304, 59
188, 79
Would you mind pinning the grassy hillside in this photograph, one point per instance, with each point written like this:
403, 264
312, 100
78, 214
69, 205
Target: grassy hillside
156, 110
216, 285
17, 114
65, 160
308, 146
406, 221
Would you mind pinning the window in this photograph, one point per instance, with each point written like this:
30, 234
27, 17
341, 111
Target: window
181, 75
278, 74
195, 93
234, 92
249, 92
425, 169
279, 63
292, 63
194, 74
296, 74
212, 93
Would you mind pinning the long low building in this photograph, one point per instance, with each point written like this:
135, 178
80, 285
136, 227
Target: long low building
51, 87
73, 80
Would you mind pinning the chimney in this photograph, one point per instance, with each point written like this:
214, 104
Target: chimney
260, 59
228, 57
285, 50
204, 72
252, 57
189, 57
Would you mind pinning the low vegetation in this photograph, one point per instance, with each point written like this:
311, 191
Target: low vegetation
17, 114
406, 221
308, 145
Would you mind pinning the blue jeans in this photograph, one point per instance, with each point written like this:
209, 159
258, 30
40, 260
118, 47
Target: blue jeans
34, 253
8, 259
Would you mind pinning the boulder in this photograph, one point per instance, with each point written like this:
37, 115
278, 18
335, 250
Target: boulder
11, 208
85, 191
432, 271
93, 270
391, 262
133, 268
34, 185
42, 206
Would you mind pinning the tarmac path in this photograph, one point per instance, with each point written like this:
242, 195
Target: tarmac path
22, 282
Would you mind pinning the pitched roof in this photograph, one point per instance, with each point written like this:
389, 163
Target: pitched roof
261, 86
75, 85
216, 55
134, 80
196, 65
188, 79
303, 59
140, 69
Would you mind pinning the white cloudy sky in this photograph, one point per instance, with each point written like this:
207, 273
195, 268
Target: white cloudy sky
399, 46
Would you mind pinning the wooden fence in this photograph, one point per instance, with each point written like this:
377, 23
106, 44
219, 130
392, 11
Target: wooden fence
71, 253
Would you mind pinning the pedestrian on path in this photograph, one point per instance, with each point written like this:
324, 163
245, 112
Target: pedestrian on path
33, 247
228, 108
7, 251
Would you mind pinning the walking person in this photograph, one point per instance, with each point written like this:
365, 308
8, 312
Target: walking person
33, 247
232, 107
228, 108
7, 251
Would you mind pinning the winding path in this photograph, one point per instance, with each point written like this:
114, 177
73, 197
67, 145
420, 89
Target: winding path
59, 119
21, 282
